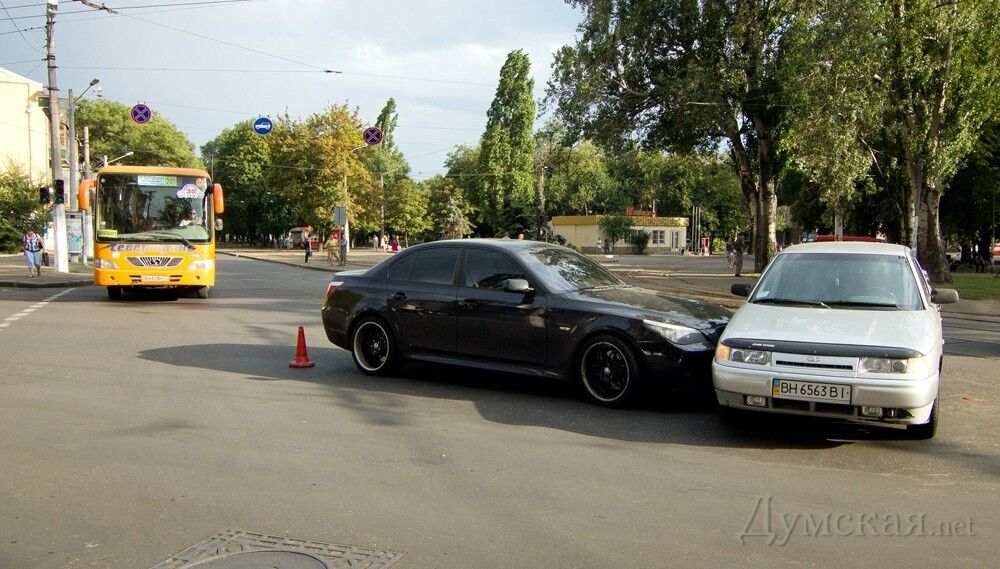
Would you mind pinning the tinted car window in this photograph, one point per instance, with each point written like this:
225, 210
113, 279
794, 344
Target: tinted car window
840, 279
489, 269
400, 270
434, 266
566, 270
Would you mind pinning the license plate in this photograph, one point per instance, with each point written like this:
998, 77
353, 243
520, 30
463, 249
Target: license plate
810, 391
155, 278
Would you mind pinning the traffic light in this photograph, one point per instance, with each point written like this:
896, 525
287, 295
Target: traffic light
44, 195
60, 192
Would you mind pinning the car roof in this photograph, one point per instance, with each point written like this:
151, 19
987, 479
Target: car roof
849, 247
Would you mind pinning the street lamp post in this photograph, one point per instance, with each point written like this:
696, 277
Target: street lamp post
74, 165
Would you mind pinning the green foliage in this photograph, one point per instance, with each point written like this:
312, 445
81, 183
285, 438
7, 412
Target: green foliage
113, 133
639, 240
579, 182
447, 210
406, 208
615, 227
19, 208
506, 158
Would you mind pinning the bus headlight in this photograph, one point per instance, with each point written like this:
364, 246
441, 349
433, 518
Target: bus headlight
202, 265
104, 264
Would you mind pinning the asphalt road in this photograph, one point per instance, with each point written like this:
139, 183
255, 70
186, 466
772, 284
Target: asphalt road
131, 430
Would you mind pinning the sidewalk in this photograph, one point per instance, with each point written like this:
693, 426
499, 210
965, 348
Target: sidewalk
14, 273
357, 259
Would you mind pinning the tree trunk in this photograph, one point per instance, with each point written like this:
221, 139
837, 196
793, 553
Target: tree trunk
931, 252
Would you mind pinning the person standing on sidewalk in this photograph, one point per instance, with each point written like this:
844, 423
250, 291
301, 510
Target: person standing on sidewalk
343, 250
33, 252
729, 253
331, 249
738, 248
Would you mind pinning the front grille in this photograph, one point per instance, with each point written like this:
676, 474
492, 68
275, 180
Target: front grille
837, 408
844, 367
154, 261
793, 404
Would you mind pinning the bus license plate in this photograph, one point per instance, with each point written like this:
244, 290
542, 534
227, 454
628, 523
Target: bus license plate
155, 278
810, 391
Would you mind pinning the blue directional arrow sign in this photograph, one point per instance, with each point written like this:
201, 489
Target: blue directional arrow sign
141, 113
372, 135
262, 126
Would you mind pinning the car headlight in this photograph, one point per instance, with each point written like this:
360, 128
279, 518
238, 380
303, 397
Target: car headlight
104, 264
202, 265
890, 365
674, 333
724, 353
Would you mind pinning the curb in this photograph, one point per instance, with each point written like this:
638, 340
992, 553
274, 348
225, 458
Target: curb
57, 284
287, 263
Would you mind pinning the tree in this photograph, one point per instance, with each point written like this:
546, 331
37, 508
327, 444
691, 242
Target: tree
680, 74
579, 182
506, 159
447, 210
385, 162
19, 207
406, 209
113, 133
615, 227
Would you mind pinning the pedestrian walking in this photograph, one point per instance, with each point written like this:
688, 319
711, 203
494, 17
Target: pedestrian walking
395, 244
730, 251
307, 244
343, 250
600, 245
738, 248
33, 252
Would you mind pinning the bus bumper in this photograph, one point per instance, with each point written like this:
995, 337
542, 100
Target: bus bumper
168, 278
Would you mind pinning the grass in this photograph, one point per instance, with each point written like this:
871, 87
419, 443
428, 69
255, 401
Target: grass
975, 287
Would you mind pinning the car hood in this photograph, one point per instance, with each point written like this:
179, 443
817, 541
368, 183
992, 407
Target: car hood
637, 302
914, 329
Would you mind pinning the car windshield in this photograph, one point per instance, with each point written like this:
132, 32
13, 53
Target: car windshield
837, 280
563, 270
152, 208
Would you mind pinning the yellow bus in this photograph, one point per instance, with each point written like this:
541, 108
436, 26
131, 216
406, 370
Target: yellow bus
153, 227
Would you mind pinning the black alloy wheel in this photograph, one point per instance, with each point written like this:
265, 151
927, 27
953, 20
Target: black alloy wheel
609, 371
373, 348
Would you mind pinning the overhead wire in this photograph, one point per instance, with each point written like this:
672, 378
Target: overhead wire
19, 32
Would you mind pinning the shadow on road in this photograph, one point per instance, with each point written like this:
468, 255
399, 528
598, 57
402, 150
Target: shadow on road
687, 418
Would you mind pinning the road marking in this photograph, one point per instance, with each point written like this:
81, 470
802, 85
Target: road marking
15, 317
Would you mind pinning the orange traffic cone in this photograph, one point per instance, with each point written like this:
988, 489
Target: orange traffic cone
301, 355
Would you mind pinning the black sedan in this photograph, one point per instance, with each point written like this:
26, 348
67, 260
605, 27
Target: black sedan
522, 307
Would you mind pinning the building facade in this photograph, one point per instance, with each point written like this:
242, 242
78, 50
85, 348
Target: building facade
24, 126
667, 235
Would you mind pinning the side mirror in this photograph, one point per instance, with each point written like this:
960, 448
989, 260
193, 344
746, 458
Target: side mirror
217, 201
740, 289
519, 286
83, 193
944, 295
218, 224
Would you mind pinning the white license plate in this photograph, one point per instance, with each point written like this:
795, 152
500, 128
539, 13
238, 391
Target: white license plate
155, 278
810, 391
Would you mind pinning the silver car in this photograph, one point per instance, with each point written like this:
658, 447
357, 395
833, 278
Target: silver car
841, 330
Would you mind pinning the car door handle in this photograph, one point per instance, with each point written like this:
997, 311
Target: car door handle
399, 296
465, 304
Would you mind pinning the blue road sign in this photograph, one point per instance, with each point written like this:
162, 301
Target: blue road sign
372, 135
262, 126
141, 113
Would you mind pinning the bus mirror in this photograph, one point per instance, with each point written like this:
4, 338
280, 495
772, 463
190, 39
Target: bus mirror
83, 194
218, 224
217, 198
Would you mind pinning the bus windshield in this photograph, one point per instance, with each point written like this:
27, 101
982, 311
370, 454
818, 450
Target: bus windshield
153, 208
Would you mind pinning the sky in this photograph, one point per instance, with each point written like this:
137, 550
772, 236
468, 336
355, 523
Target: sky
207, 64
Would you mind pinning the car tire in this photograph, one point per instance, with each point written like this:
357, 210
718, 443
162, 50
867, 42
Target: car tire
609, 372
373, 347
201, 292
115, 292
926, 430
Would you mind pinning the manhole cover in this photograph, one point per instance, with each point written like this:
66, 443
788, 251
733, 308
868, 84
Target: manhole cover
237, 549
263, 560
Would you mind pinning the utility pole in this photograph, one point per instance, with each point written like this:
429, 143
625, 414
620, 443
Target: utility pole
59, 212
88, 231
381, 187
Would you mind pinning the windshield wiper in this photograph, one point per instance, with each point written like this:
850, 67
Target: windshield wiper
865, 304
790, 301
171, 237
